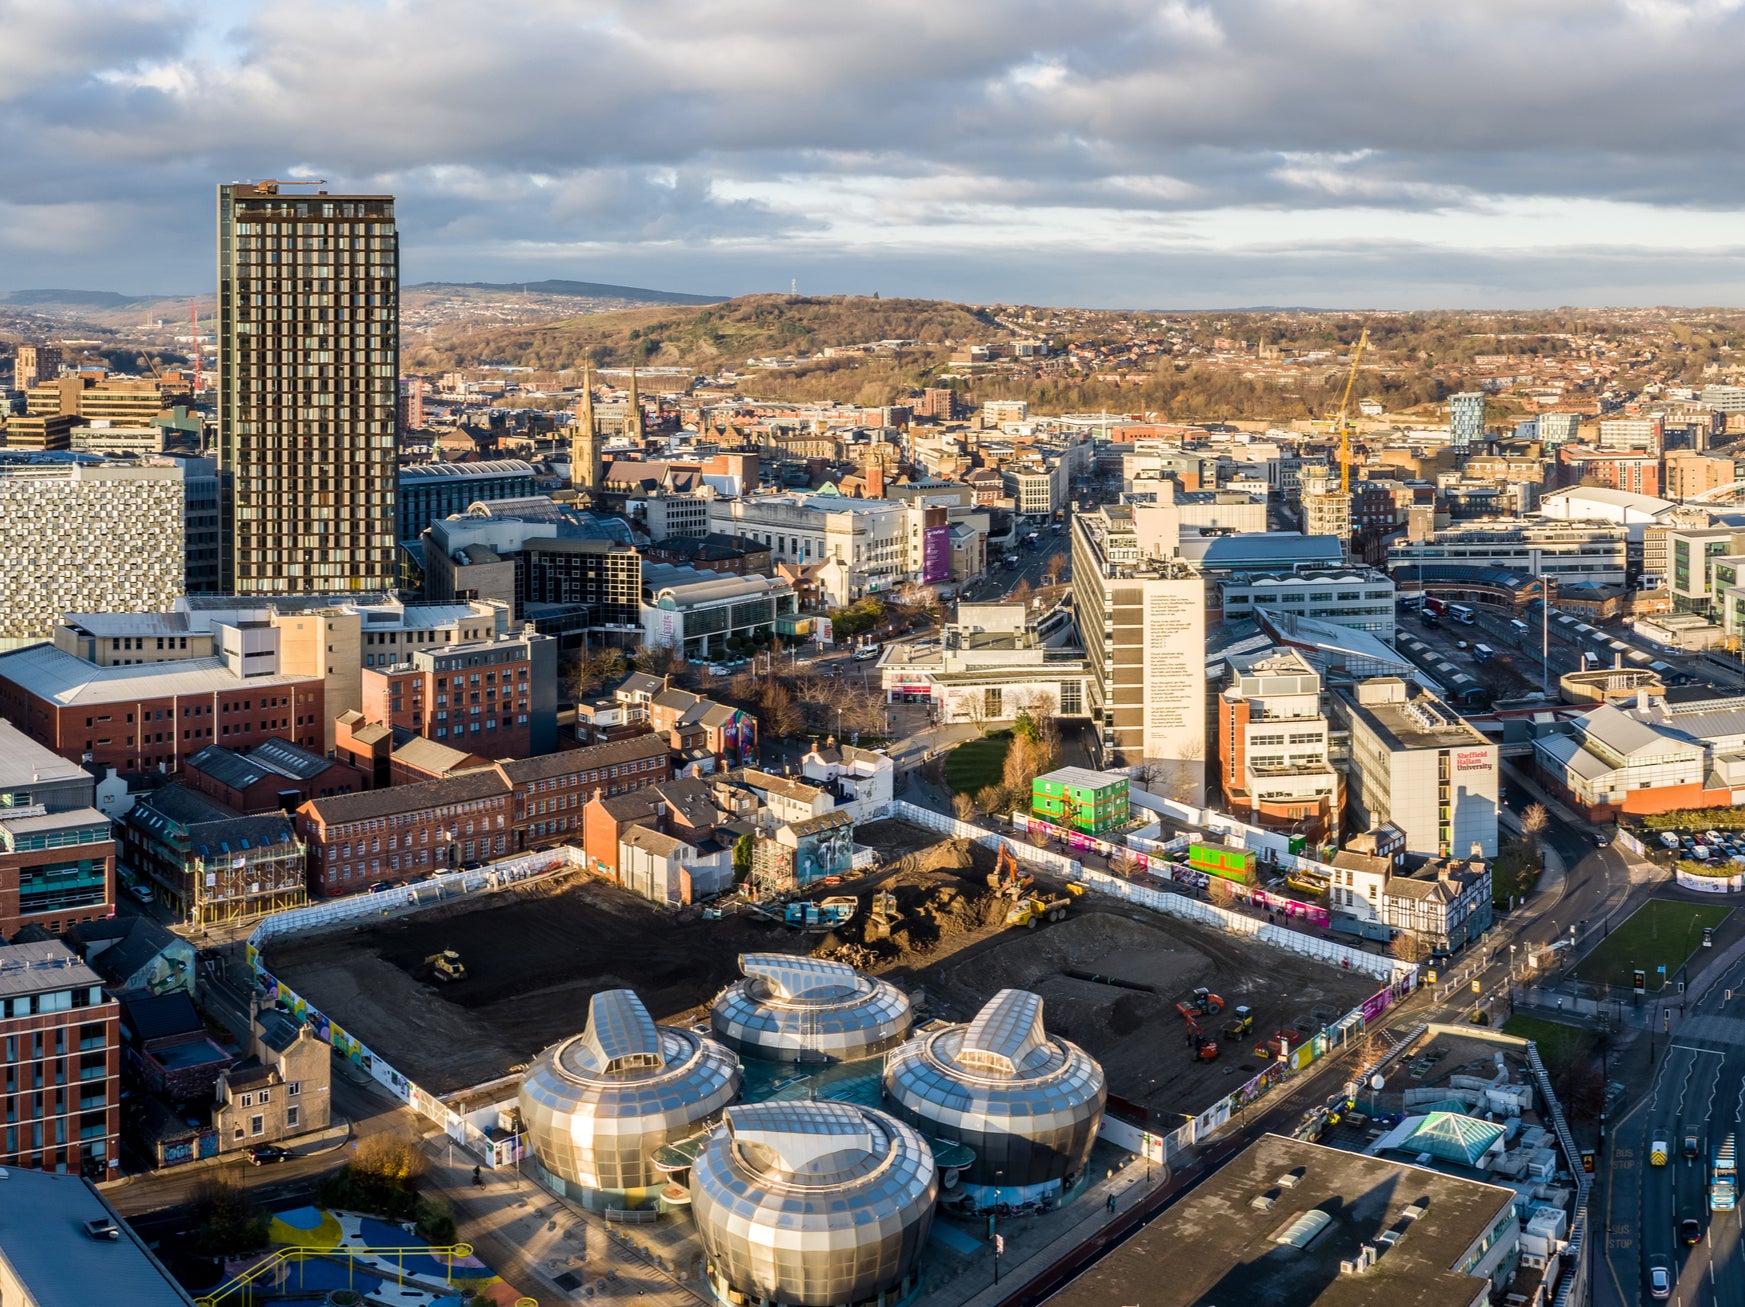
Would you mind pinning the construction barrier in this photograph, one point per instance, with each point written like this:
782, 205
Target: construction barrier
329, 914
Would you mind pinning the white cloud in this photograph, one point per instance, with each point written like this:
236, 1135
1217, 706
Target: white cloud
996, 135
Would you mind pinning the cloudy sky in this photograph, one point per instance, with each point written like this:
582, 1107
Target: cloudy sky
1157, 153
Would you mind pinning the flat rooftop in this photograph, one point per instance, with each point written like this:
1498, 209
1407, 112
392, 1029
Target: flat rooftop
56, 1264
1422, 721
1218, 1248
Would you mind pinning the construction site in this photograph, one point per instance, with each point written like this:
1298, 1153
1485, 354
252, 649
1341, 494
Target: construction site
943, 919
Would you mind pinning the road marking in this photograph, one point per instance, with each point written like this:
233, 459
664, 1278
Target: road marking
1692, 1048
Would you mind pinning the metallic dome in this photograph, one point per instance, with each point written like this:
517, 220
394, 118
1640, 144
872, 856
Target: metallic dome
1028, 1104
791, 1009
596, 1106
813, 1204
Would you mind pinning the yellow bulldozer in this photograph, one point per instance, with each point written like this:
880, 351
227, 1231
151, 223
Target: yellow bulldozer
446, 965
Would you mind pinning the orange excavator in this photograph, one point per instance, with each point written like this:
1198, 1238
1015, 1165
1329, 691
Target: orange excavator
1008, 878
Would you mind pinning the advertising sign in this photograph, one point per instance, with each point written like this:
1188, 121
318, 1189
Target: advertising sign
824, 633
1313, 913
935, 554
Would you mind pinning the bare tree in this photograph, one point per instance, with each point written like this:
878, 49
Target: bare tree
660, 660
1021, 593
992, 799
964, 807
1220, 891
1122, 863
1408, 946
974, 705
1535, 821
1055, 565
781, 715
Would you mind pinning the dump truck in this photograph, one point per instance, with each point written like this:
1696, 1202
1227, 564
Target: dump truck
1027, 912
1240, 1023
1723, 1178
1202, 1002
446, 965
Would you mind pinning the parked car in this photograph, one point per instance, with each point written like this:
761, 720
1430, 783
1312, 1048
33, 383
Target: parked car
140, 891
268, 1153
380, 887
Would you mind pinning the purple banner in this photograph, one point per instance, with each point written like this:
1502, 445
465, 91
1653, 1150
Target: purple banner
935, 554
1376, 1004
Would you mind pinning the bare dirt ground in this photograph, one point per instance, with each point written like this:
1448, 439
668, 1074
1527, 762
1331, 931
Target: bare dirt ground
1138, 1035
536, 954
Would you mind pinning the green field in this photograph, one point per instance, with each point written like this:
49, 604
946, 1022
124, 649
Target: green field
1558, 1044
976, 763
1662, 932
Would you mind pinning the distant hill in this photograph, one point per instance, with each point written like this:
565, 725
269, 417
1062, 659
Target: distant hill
717, 335
82, 299
579, 289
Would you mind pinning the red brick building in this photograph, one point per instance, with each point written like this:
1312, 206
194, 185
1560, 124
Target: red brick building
153, 716
552, 792
475, 696
1637, 471
60, 1046
271, 777
406, 832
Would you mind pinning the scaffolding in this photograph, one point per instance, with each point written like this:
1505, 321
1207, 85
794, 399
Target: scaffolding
242, 886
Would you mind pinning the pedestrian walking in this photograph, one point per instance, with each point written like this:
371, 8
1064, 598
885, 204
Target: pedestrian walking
1111, 1204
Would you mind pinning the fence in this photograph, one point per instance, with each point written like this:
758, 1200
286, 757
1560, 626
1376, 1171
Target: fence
332, 913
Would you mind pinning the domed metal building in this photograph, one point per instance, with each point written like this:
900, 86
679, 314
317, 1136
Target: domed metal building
790, 1009
813, 1204
1028, 1104
596, 1106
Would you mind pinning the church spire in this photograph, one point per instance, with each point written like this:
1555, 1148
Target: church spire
633, 412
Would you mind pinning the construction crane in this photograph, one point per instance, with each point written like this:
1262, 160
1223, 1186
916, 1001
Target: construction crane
1343, 424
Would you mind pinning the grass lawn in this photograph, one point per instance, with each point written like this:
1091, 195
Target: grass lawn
1559, 1045
976, 763
1661, 932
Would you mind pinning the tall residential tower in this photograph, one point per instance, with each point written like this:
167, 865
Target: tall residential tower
308, 347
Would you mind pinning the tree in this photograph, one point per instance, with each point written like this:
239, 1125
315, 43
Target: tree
964, 807
1408, 946
1122, 863
973, 705
781, 714
1535, 821
991, 799
225, 1219
1220, 891
1021, 593
1055, 566
742, 848
660, 659
596, 669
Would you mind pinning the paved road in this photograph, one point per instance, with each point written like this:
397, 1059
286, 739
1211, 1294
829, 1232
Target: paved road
1698, 1087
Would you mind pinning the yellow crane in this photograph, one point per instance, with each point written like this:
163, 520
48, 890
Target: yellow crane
1343, 424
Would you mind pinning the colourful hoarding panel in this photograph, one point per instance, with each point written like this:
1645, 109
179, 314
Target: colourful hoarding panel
935, 554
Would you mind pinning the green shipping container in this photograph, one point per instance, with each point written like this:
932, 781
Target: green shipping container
1216, 860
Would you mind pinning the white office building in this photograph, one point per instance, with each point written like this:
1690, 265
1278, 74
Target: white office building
1417, 764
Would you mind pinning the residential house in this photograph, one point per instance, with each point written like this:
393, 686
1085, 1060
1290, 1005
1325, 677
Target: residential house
134, 953
861, 781
784, 798
796, 854
279, 1090
667, 869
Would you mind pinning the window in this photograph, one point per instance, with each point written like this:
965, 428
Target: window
291, 1117
266, 1095
248, 1100
257, 1125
